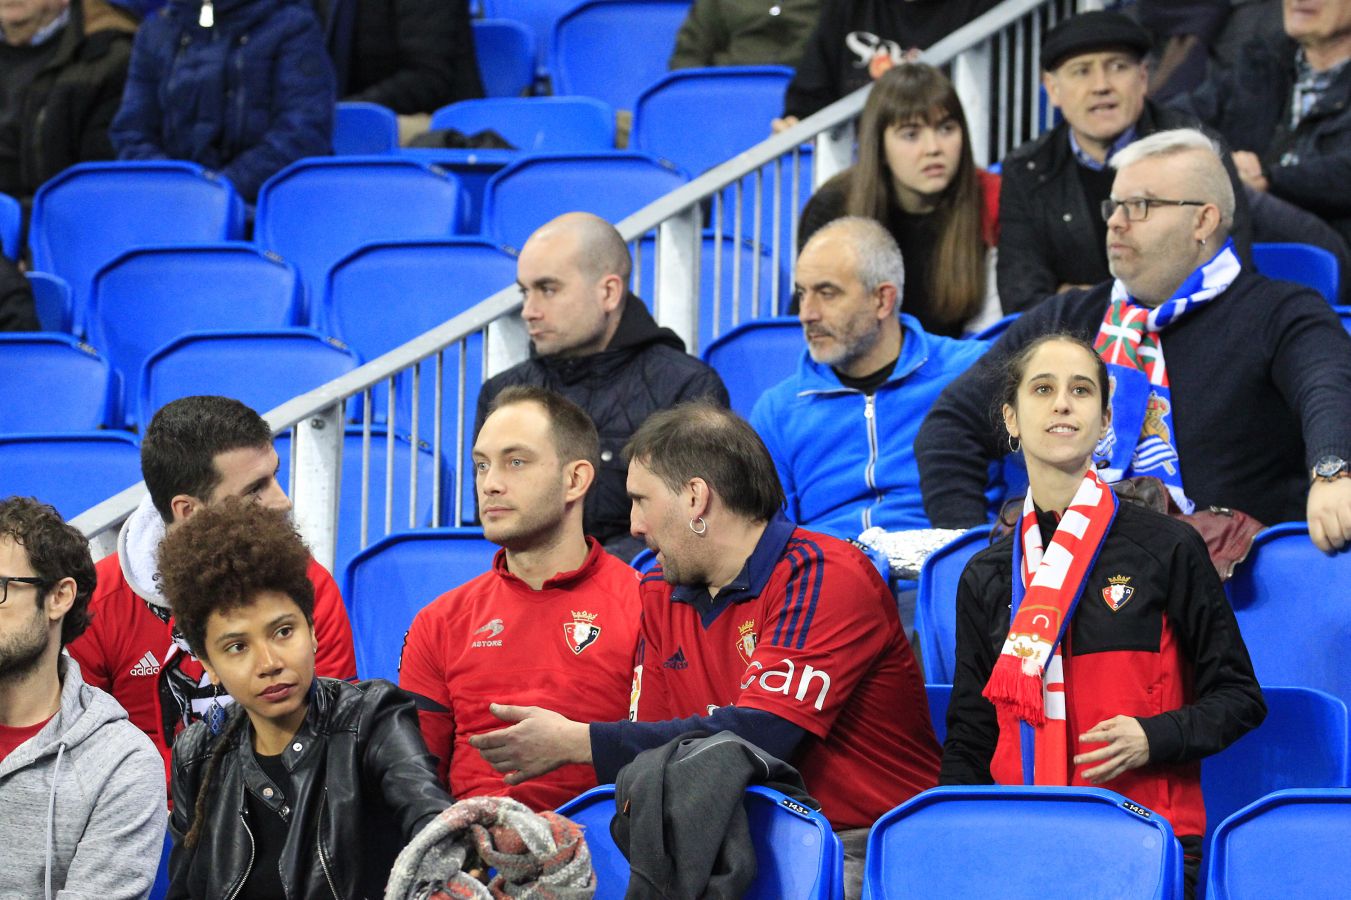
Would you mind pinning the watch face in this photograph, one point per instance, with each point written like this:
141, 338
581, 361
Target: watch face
1329, 466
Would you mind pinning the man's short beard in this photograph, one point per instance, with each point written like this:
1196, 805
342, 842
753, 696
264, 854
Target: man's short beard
21, 654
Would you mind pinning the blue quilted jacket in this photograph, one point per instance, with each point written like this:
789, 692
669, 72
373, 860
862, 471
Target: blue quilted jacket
247, 96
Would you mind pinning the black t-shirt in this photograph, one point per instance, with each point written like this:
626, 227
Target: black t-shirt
868, 384
270, 828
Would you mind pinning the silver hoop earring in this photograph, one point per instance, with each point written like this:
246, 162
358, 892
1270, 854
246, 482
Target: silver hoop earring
1013, 449
703, 526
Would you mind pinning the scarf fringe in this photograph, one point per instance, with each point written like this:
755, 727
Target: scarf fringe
1016, 689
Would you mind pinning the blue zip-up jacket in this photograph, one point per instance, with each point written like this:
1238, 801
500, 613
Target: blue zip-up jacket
847, 460
247, 96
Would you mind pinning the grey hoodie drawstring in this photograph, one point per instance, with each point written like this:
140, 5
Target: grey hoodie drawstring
51, 814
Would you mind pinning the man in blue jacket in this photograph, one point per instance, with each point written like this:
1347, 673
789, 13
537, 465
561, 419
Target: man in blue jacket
841, 431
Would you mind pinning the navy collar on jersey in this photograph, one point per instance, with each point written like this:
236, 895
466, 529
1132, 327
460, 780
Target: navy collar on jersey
749, 582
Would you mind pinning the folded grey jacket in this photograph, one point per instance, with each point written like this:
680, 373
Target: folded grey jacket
82, 803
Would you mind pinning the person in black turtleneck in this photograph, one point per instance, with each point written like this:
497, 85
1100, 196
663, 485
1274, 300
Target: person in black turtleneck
595, 342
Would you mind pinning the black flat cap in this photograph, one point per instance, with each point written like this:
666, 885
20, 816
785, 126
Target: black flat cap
1093, 31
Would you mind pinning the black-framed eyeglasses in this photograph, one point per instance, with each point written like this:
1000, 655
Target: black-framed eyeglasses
1137, 208
21, 579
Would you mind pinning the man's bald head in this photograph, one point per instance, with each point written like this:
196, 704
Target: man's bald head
599, 249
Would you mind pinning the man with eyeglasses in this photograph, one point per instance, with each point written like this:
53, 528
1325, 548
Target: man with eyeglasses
83, 811
1249, 407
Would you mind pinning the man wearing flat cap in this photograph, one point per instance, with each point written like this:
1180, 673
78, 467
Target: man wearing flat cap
1051, 232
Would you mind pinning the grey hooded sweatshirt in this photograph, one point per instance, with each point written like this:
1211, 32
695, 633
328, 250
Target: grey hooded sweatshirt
82, 804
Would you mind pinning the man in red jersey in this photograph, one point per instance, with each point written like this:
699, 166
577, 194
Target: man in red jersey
196, 452
553, 623
786, 637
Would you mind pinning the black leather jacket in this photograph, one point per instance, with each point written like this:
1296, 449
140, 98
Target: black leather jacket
363, 784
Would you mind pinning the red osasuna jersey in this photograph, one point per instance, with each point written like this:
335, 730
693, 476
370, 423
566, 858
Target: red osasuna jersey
566, 647
819, 643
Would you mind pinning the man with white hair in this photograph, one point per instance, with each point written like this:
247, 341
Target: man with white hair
841, 429
1233, 389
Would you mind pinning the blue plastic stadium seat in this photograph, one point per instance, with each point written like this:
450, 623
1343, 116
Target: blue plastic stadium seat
1030, 843
93, 212
421, 515
662, 120
531, 191
1290, 599
52, 300
797, 855
1302, 263
148, 297
1302, 743
261, 368
790, 207
1288, 844
754, 357
316, 211
940, 695
11, 223
936, 603
587, 37
536, 124
753, 273
72, 472
386, 585
507, 55
364, 129
538, 16
386, 294
52, 382
160, 889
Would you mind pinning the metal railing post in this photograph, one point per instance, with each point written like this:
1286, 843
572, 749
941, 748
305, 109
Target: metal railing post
833, 153
678, 246
508, 343
971, 78
315, 492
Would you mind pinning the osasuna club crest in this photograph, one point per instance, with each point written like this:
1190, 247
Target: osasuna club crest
1118, 591
745, 642
582, 631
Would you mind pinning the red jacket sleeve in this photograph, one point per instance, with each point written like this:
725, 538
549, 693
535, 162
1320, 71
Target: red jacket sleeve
422, 674
336, 657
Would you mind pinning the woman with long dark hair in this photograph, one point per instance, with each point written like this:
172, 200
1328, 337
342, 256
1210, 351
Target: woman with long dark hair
916, 175
1095, 645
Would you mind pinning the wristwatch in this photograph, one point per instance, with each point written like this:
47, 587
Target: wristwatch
1330, 468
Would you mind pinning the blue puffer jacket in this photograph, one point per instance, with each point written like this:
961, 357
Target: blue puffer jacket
846, 460
247, 96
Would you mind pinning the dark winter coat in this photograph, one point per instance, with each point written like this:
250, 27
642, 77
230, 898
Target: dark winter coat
247, 97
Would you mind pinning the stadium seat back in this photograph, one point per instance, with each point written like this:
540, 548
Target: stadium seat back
536, 124
401, 514
936, 603
52, 300
260, 368
538, 16
72, 472
11, 224
1344, 313
1288, 844
317, 211
530, 192
1302, 743
1301, 263
506, 51
583, 56
52, 383
796, 853
386, 585
940, 695
745, 279
662, 121
754, 357
148, 297
1290, 599
94, 212
364, 129
1010, 842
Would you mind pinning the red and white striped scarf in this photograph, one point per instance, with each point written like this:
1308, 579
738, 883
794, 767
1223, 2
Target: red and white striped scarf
1027, 686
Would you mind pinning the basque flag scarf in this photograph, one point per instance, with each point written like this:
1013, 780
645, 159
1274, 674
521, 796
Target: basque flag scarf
1027, 685
1129, 341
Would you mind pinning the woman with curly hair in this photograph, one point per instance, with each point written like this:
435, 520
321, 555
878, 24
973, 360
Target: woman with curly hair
303, 786
915, 174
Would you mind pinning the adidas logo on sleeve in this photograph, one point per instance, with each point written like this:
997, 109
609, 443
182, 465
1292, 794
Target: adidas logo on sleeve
146, 665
